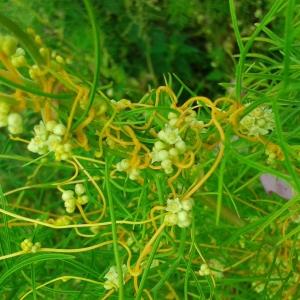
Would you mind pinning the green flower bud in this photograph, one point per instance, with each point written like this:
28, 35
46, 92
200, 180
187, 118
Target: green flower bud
9, 45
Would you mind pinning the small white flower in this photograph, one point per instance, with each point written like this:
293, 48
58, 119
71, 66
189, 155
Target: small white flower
63, 152
40, 130
53, 142
82, 200
18, 59
174, 205
66, 195
134, 174
159, 145
79, 189
26, 245
123, 165
36, 247
37, 145
15, 123
15, 129
204, 270
180, 146
35, 72
154, 156
59, 129
70, 205
169, 135
162, 155
182, 215
112, 277
167, 166
50, 125
188, 204
184, 219
173, 152
171, 219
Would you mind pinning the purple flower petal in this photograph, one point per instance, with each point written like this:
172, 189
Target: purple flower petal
269, 183
283, 189
280, 187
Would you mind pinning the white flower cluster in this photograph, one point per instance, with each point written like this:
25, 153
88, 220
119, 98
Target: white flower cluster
260, 121
169, 146
27, 246
179, 212
70, 199
112, 278
124, 166
49, 137
214, 268
204, 270
13, 121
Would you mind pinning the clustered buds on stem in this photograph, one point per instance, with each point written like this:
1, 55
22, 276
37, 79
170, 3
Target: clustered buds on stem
169, 146
179, 212
71, 199
112, 277
260, 121
28, 247
49, 138
213, 267
12, 120
124, 166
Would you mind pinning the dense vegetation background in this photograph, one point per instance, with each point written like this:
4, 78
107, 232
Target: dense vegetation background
247, 237
144, 39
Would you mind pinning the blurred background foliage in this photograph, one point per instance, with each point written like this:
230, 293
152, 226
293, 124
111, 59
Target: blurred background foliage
143, 40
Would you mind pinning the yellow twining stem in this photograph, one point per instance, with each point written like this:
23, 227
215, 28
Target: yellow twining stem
81, 136
15, 75
81, 93
95, 185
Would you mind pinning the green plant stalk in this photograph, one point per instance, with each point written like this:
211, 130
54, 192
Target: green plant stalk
147, 269
114, 231
5, 244
33, 281
235, 25
93, 90
220, 185
286, 69
39, 257
240, 67
174, 264
186, 277
32, 90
